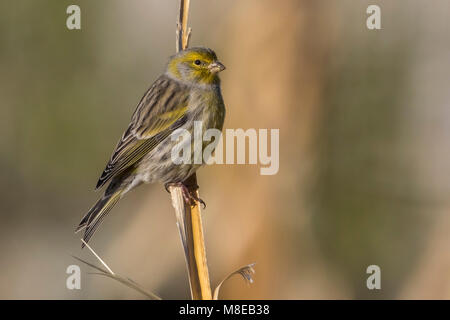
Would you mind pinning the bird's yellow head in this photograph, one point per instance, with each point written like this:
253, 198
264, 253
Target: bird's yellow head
195, 65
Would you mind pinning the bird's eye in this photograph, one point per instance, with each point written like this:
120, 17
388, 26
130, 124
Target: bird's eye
197, 62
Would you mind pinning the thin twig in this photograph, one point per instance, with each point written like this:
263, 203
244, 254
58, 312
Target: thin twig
110, 274
99, 259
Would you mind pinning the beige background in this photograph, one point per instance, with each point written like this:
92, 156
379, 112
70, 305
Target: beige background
364, 147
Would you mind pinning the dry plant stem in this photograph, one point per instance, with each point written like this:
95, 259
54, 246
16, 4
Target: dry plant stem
110, 274
189, 218
183, 33
191, 232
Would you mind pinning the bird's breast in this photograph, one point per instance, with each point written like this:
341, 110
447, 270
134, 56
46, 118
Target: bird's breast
207, 106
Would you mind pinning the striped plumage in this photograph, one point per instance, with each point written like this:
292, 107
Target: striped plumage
188, 91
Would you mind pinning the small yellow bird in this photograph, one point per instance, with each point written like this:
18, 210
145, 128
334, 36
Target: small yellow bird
188, 91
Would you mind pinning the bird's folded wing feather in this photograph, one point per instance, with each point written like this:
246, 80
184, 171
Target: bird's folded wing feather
161, 110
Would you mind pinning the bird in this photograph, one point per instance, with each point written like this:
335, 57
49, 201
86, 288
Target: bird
188, 91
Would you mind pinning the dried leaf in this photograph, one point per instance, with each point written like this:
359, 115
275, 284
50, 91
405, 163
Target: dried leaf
245, 272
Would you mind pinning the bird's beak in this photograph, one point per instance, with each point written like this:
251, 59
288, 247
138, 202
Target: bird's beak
216, 67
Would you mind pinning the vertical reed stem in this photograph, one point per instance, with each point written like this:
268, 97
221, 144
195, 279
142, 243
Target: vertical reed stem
189, 219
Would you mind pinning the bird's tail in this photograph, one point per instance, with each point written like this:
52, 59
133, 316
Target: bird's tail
92, 220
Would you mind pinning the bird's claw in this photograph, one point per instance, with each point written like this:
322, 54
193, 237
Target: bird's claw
189, 196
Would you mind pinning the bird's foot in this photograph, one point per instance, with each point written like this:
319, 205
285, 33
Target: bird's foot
190, 197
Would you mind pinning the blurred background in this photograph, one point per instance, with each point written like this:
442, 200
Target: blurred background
364, 123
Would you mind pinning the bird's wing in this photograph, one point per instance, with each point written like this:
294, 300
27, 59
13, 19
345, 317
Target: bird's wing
161, 110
